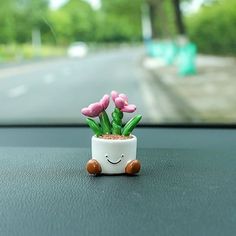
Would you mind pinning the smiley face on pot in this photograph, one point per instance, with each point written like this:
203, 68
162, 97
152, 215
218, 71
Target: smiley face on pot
114, 162
113, 156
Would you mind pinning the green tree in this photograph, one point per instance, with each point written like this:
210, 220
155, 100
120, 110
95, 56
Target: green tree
166, 18
75, 21
119, 20
19, 17
213, 27
7, 21
178, 17
29, 15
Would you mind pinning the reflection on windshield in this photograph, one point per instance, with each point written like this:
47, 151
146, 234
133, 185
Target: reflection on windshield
175, 59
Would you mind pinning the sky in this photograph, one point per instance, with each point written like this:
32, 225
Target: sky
54, 4
192, 7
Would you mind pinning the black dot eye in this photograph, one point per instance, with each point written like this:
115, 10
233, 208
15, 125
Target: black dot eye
122, 155
106, 156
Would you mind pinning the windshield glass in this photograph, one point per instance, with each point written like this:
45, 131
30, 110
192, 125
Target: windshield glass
175, 59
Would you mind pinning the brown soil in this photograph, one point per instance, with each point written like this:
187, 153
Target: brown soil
115, 137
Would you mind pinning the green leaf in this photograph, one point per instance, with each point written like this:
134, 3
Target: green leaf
131, 125
94, 126
105, 123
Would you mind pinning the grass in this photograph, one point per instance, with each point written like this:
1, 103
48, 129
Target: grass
18, 52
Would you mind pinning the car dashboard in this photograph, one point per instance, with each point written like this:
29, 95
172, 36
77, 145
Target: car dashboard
186, 185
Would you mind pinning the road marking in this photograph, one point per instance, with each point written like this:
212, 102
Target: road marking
49, 78
17, 91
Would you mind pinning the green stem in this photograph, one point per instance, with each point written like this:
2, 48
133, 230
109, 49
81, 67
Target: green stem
117, 116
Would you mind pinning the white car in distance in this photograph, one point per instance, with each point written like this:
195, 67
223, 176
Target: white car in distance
77, 50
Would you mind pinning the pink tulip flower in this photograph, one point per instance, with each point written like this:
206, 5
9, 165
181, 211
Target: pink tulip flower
94, 109
121, 102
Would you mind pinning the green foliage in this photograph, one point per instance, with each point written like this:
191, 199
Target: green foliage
131, 124
11, 52
105, 123
19, 17
77, 21
120, 20
115, 21
105, 126
94, 126
73, 22
7, 21
213, 28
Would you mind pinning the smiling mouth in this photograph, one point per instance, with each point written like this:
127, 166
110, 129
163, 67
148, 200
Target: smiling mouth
114, 162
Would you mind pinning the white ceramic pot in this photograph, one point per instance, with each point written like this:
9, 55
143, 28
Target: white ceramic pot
114, 155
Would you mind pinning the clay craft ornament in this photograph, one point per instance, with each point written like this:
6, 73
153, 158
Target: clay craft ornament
113, 145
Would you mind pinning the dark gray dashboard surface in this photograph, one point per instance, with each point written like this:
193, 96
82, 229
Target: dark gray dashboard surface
46, 191
147, 137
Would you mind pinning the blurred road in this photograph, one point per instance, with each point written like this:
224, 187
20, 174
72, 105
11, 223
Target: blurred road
55, 90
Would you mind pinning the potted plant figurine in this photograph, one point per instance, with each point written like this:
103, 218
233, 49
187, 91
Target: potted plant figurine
113, 145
